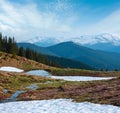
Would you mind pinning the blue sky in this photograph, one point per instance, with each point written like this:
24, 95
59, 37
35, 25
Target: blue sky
59, 18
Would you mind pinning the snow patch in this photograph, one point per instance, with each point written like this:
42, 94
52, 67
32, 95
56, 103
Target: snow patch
56, 106
39, 73
5, 91
10, 69
68, 78
80, 78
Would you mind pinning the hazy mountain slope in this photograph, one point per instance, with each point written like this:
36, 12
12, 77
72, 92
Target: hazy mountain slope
64, 62
105, 47
39, 49
98, 59
69, 63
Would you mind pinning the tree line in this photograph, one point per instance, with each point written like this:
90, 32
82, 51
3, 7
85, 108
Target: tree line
9, 45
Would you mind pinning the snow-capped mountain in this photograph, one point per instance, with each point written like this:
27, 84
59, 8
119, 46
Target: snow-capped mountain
83, 40
105, 41
94, 39
46, 41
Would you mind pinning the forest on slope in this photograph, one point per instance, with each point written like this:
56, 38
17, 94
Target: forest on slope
9, 45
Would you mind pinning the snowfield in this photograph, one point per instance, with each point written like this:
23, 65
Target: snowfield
10, 69
56, 106
81, 78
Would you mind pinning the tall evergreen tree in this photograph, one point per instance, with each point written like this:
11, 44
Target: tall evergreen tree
21, 52
14, 47
9, 46
0, 41
4, 44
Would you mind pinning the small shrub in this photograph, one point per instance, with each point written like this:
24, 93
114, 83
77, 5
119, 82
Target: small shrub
0, 54
14, 56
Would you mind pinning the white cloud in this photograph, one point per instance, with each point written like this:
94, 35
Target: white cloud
27, 21
109, 24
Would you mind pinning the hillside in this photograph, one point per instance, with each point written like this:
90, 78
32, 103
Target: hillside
52, 89
69, 63
39, 49
9, 45
63, 62
20, 62
95, 58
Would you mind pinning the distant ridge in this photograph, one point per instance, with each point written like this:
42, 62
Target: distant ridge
92, 41
95, 58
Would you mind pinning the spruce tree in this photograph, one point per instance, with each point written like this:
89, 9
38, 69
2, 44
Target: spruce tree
21, 52
0, 41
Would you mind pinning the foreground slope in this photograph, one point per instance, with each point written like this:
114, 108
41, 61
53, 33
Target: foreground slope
105, 92
20, 62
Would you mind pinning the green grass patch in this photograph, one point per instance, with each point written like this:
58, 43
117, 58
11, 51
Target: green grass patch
19, 82
82, 72
27, 66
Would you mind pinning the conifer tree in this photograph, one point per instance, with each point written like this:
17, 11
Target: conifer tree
0, 41
21, 52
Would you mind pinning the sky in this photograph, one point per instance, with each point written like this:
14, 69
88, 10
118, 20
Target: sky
26, 19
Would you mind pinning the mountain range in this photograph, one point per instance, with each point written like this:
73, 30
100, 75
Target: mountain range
105, 42
69, 50
109, 47
63, 62
96, 58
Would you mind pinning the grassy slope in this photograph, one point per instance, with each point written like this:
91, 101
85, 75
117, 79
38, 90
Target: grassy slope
20, 62
17, 81
25, 64
105, 92
82, 72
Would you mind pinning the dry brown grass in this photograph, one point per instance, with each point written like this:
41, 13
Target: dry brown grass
20, 62
103, 92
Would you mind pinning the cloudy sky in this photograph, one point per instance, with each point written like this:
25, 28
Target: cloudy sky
26, 19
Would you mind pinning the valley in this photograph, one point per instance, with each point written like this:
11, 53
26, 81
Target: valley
78, 56
59, 56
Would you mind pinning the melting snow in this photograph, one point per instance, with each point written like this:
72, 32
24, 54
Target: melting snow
56, 106
68, 78
39, 72
80, 78
11, 69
